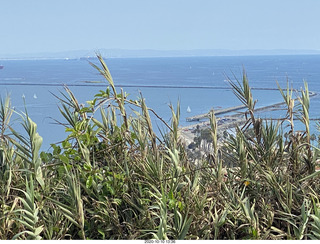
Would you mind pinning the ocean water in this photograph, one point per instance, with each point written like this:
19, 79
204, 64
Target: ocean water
197, 82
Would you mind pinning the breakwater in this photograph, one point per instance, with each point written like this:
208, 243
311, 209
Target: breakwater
217, 112
227, 122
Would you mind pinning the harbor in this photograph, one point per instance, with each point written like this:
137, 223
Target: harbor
216, 112
187, 133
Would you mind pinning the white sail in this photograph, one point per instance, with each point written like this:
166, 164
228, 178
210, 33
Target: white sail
189, 109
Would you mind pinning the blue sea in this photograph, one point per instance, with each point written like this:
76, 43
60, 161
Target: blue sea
197, 82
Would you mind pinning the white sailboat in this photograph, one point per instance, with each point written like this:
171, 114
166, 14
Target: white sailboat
189, 109
35, 96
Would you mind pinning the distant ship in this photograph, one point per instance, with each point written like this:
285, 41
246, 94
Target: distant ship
1, 66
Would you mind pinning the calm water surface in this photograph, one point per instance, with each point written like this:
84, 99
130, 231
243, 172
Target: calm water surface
198, 82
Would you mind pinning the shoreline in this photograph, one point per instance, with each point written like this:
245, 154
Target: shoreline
226, 122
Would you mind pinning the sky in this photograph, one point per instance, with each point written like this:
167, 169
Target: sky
34, 26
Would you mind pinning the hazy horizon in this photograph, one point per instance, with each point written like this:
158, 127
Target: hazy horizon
132, 53
33, 27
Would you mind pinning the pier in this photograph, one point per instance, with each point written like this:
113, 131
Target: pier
216, 112
231, 109
230, 121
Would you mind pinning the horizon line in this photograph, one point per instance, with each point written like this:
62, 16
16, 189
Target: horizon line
132, 53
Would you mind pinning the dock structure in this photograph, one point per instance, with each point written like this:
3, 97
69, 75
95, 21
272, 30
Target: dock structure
231, 109
216, 112
226, 122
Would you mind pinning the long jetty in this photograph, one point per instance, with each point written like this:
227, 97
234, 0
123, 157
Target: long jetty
229, 121
216, 112
231, 109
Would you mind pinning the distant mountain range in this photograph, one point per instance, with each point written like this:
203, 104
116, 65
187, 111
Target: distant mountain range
125, 53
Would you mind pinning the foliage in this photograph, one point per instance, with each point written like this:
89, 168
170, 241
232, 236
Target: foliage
113, 177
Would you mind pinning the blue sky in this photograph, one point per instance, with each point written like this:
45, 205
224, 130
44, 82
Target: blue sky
31, 26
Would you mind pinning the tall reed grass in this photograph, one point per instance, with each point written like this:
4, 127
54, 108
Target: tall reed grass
114, 178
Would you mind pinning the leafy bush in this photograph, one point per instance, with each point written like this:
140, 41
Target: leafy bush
114, 178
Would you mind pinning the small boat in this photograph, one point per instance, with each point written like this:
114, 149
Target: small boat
35, 96
189, 109
1, 66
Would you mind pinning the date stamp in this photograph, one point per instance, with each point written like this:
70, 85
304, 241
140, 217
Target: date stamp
160, 241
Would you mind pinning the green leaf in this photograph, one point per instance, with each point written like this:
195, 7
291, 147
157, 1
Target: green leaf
89, 182
64, 159
87, 167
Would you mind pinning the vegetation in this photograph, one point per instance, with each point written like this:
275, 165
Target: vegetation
114, 178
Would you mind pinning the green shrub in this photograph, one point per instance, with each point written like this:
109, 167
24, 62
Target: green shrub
114, 178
